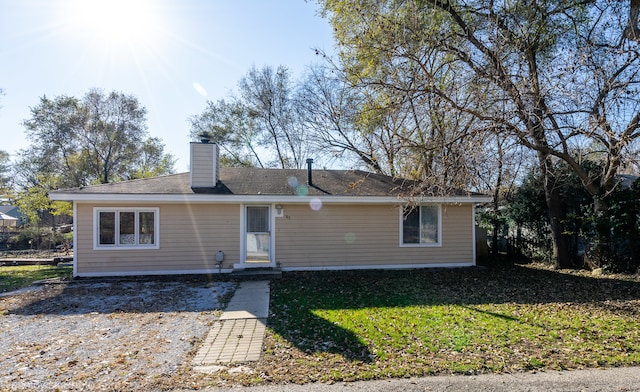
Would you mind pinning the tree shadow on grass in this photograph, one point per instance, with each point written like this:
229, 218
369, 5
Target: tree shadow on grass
492, 314
313, 334
297, 298
463, 286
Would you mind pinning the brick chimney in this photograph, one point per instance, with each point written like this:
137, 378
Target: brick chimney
205, 164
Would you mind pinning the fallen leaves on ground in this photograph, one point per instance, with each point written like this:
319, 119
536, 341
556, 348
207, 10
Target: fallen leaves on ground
347, 326
326, 327
106, 335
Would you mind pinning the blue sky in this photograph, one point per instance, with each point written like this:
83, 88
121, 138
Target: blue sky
173, 55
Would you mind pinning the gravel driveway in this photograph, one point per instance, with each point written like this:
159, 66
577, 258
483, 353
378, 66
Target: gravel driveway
130, 334
108, 335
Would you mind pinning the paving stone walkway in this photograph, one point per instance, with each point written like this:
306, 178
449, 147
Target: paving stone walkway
238, 335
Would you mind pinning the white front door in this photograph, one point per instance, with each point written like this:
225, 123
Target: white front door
257, 234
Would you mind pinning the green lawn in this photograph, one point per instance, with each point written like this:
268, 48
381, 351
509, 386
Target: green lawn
15, 277
334, 326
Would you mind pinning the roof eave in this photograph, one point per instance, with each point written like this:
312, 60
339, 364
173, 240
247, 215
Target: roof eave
234, 199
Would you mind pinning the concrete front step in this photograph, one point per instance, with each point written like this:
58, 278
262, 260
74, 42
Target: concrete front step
259, 273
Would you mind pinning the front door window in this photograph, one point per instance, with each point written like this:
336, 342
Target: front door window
258, 234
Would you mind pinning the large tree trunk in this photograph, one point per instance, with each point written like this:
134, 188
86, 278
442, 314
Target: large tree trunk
602, 247
561, 253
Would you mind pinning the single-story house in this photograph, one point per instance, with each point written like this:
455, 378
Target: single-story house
217, 220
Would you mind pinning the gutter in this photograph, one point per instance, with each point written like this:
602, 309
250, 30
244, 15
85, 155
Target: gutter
235, 199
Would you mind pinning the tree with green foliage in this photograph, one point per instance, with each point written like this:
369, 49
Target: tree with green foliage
77, 142
555, 75
34, 201
43, 215
624, 228
228, 124
5, 168
151, 161
527, 211
100, 138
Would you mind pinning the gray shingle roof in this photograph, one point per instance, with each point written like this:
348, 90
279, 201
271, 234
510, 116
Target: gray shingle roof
257, 181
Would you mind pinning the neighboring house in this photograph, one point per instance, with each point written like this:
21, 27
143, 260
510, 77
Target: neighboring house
14, 212
266, 218
627, 180
7, 222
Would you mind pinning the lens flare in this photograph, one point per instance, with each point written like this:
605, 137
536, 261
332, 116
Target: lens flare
199, 89
350, 238
293, 182
302, 190
315, 204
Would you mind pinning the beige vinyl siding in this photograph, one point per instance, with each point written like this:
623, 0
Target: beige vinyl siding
190, 236
335, 236
353, 235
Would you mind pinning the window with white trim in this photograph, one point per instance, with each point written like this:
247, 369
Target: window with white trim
126, 228
420, 225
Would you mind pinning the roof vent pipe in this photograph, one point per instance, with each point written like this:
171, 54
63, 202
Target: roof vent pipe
309, 172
